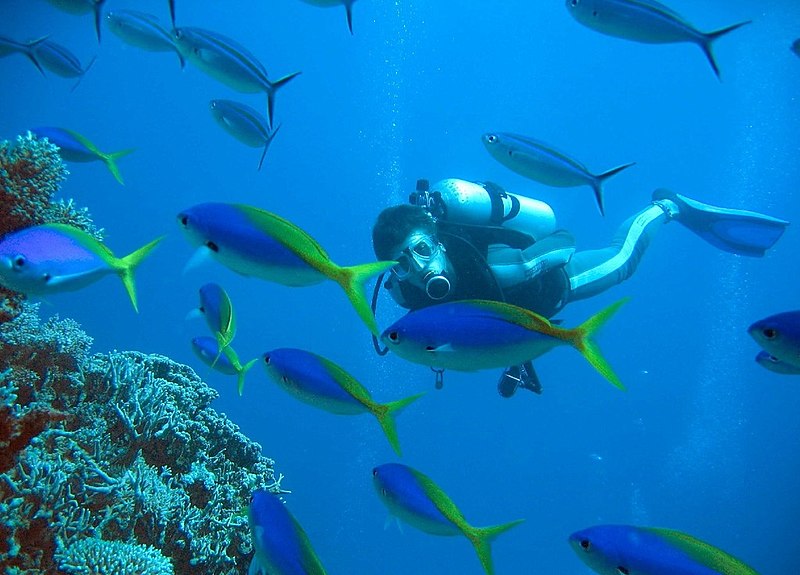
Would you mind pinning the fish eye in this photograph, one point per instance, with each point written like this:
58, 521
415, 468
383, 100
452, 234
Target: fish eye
19, 262
266, 359
212, 246
183, 219
375, 472
429, 348
47, 278
574, 3
491, 138
623, 570
585, 544
394, 337
769, 332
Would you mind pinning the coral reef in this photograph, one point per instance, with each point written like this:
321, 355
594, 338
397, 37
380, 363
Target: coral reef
31, 172
120, 447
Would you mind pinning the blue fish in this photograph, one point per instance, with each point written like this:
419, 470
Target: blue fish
471, 335
629, 550
348, 7
222, 360
226, 60
281, 545
644, 21
414, 498
54, 258
83, 7
772, 363
323, 384
258, 243
243, 123
143, 31
779, 335
217, 309
543, 163
73, 147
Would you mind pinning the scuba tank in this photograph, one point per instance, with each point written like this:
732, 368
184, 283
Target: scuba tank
457, 201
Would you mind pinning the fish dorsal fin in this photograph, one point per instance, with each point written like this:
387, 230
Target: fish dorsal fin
86, 240
349, 383
702, 552
84, 141
516, 315
442, 501
289, 235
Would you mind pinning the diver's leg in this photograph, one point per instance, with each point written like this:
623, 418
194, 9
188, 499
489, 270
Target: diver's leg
591, 272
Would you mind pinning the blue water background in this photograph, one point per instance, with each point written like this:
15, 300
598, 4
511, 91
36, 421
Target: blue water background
705, 441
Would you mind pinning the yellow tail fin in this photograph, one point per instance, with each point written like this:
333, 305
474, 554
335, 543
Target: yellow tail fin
385, 415
482, 537
582, 340
352, 279
127, 265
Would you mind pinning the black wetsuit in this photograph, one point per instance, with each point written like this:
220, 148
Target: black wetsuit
467, 249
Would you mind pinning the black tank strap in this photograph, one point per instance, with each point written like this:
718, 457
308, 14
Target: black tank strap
496, 195
378, 349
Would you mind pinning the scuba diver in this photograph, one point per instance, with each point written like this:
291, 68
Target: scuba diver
459, 240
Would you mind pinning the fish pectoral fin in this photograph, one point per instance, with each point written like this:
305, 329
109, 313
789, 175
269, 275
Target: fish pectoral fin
201, 255
391, 519
444, 348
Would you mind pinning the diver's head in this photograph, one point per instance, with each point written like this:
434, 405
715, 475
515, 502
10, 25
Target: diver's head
408, 234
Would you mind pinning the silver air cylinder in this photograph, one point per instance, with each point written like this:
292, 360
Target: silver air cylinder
471, 203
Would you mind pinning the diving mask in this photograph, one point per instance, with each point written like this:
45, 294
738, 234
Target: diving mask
423, 262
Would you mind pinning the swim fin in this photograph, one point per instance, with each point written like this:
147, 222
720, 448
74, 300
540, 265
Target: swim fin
737, 231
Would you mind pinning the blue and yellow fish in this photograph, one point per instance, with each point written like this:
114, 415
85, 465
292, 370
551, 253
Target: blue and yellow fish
223, 360
53, 258
280, 543
414, 498
255, 242
630, 550
471, 335
217, 309
320, 382
73, 147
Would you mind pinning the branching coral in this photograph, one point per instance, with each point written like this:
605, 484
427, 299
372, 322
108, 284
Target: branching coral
93, 556
142, 457
31, 172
